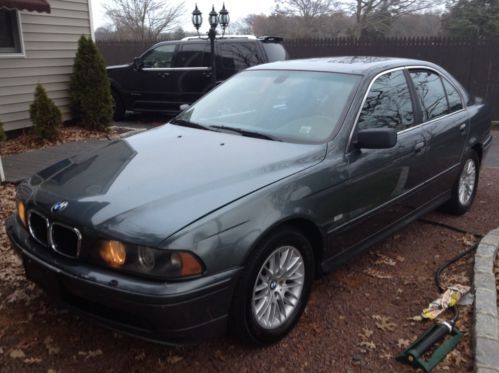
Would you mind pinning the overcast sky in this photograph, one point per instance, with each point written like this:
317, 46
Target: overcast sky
237, 9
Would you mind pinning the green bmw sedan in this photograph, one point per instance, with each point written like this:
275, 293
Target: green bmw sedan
222, 218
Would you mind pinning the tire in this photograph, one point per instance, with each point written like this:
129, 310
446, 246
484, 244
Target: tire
281, 291
465, 187
118, 107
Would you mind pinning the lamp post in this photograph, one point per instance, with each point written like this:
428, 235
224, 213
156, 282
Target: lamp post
214, 19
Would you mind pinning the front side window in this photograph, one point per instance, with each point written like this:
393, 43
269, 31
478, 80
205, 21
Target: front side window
193, 55
10, 38
159, 57
294, 106
388, 104
430, 92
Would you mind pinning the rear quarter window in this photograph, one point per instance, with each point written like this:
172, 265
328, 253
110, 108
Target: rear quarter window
455, 100
239, 56
275, 52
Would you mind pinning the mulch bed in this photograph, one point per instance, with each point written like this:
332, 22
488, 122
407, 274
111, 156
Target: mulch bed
357, 320
28, 142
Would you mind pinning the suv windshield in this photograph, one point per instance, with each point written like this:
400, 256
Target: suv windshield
295, 106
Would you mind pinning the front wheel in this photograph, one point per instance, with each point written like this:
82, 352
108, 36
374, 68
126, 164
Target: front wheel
274, 288
465, 187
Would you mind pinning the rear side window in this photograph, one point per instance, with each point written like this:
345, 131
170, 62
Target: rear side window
455, 101
388, 104
159, 57
193, 55
239, 56
430, 92
275, 52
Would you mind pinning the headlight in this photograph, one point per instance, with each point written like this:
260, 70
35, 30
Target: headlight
21, 212
148, 261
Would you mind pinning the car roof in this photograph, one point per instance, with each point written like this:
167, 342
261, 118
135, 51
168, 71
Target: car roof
363, 65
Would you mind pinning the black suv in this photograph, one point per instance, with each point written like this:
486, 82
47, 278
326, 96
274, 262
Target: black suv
174, 73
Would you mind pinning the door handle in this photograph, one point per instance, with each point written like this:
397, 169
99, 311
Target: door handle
462, 127
164, 75
419, 147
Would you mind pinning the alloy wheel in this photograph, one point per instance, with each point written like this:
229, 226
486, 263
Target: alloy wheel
278, 287
467, 182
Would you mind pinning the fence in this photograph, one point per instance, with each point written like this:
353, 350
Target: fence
475, 63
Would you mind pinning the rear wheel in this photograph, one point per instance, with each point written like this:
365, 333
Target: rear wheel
274, 288
118, 107
465, 187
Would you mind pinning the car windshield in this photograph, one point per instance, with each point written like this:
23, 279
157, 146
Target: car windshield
294, 106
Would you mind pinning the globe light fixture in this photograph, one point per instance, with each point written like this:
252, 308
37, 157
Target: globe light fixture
197, 18
214, 19
223, 18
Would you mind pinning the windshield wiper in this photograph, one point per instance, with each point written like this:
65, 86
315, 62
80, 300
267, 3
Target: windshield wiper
248, 133
186, 123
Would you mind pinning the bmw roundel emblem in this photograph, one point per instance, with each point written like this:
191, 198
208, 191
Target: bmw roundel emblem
59, 206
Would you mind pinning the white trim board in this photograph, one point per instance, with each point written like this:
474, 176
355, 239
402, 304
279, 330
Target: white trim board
2, 173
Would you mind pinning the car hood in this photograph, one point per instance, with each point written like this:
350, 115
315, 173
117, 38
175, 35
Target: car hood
149, 186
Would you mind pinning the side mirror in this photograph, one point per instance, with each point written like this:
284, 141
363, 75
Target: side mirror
137, 63
184, 107
376, 138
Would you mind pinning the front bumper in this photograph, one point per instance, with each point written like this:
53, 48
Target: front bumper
173, 312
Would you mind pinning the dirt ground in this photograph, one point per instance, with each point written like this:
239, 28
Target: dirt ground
357, 320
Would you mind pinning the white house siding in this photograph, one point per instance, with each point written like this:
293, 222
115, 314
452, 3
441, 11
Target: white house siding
50, 44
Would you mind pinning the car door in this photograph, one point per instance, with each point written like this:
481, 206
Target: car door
381, 181
153, 84
446, 123
192, 71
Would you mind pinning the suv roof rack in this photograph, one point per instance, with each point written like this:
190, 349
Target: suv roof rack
252, 37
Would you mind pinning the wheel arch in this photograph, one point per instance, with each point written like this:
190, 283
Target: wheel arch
307, 227
478, 149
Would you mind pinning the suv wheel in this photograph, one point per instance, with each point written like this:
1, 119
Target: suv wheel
274, 288
118, 107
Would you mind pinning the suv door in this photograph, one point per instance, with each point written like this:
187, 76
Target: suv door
446, 123
382, 181
192, 71
153, 85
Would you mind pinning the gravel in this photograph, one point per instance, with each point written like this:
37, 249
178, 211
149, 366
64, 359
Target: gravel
358, 318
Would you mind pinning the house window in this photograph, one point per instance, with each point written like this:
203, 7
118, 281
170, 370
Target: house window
10, 35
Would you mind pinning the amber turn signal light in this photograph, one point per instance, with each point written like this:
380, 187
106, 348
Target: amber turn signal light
113, 253
190, 265
21, 212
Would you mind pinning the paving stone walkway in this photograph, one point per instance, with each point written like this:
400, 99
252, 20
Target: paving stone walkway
492, 159
486, 332
20, 166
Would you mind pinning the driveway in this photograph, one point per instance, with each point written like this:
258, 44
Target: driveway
358, 318
492, 159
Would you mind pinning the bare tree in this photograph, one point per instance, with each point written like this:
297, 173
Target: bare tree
376, 15
304, 8
144, 19
427, 24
